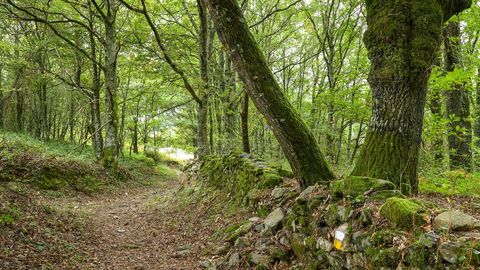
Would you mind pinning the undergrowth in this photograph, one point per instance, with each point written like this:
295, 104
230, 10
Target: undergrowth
61, 166
456, 182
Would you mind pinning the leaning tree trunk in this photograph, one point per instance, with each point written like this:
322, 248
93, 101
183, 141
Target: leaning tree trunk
458, 104
296, 140
403, 39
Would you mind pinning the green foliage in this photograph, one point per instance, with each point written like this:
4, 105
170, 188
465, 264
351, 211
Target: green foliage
61, 166
9, 215
457, 182
160, 157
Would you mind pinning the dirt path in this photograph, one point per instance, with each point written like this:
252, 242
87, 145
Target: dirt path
143, 229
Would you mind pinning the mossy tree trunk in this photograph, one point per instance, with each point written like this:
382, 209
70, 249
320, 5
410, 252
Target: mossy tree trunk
111, 145
458, 104
296, 140
403, 39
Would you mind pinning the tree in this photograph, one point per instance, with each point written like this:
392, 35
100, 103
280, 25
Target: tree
296, 140
458, 103
403, 39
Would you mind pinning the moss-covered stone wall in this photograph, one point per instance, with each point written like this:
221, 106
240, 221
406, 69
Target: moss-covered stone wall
239, 174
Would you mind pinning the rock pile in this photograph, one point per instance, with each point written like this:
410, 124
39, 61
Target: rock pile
355, 223
366, 225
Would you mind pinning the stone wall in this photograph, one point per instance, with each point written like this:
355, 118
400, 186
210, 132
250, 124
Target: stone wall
356, 223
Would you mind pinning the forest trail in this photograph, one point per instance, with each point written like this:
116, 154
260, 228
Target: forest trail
141, 229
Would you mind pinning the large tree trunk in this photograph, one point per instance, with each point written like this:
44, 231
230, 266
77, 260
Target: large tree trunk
458, 104
296, 140
111, 146
403, 39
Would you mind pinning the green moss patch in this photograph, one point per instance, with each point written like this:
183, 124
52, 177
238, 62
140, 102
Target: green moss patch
239, 175
403, 213
353, 186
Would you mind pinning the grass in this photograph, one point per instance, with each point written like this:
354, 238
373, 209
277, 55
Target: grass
456, 182
61, 166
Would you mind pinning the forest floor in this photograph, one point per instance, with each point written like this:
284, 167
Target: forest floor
142, 229
145, 227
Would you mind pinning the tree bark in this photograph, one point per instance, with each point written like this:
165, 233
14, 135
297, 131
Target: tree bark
97, 136
296, 140
436, 110
111, 146
244, 116
458, 104
476, 127
203, 147
19, 99
403, 39
1, 98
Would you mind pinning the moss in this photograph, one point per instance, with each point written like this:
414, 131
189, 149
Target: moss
239, 176
336, 188
298, 247
353, 186
109, 159
241, 230
384, 238
385, 194
418, 256
386, 257
278, 254
50, 183
300, 207
403, 213
270, 180
331, 216
310, 243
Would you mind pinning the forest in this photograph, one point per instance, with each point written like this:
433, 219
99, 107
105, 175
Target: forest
239, 134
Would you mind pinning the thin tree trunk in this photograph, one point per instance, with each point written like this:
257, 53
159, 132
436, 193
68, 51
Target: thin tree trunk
111, 145
458, 104
135, 129
1, 98
19, 99
97, 134
202, 107
244, 116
